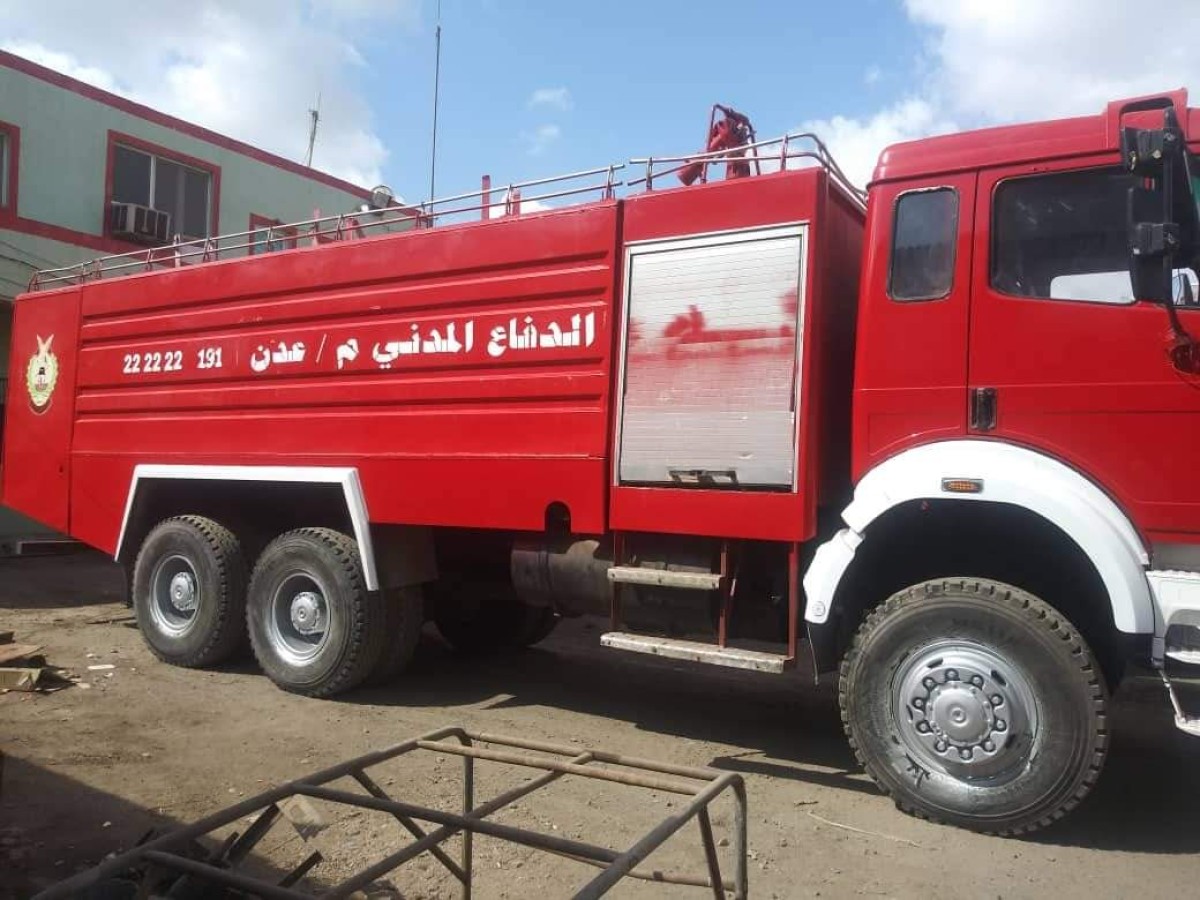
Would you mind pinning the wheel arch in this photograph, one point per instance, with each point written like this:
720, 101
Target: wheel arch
1028, 502
311, 495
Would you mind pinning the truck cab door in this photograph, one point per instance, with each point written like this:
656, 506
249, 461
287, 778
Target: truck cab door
1063, 359
911, 362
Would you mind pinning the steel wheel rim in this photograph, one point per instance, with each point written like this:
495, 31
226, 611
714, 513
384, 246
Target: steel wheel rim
175, 595
299, 617
964, 711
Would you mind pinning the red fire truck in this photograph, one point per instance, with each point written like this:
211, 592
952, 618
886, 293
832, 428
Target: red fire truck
938, 429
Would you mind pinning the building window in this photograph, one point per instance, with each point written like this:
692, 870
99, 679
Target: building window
9, 144
150, 179
4, 151
268, 235
923, 239
1062, 236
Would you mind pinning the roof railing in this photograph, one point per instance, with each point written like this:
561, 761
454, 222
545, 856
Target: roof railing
752, 153
488, 202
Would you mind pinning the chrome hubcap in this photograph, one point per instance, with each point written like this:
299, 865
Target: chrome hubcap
183, 592
175, 595
308, 613
299, 620
963, 710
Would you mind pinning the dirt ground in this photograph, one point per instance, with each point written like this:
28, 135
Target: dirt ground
88, 770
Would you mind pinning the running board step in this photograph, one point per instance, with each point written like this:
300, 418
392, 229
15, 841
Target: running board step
696, 581
1187, 655
696, 651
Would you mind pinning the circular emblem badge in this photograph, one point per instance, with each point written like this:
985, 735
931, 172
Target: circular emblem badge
41, 375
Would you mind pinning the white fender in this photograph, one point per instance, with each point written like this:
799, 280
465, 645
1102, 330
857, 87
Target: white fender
346, 477
1010, 474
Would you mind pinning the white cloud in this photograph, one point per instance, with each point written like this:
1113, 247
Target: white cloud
251, 71
552, 97
541, 138
855, 143
1034, 59
61, 62
872, 76
496, 210
988, 62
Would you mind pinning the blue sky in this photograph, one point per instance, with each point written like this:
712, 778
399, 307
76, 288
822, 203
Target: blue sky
616, 79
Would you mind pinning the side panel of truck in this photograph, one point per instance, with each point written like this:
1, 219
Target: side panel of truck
732, 360
39, 413
463, 370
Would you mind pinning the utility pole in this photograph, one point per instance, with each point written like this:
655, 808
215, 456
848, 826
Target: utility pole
315, 115
437, 71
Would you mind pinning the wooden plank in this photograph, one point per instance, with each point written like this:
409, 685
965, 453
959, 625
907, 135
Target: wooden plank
10, 653
19, 679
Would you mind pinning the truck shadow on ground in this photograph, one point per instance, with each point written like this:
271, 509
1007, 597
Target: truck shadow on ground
792, 726
1146, 800
69, 579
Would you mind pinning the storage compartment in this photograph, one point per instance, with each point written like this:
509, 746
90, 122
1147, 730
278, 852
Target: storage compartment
712, 360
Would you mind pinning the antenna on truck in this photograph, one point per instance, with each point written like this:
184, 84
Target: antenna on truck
315, 114
437, 71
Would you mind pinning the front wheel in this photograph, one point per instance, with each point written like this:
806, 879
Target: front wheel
974, 703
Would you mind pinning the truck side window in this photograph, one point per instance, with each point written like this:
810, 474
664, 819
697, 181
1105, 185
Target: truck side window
1062, 236
923, 245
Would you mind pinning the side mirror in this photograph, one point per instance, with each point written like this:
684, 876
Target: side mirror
1152, 245
1161, 212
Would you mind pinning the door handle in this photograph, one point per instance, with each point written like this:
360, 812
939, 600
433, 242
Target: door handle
983, 409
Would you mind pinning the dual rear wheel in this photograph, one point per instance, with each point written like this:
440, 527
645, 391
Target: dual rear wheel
314, 627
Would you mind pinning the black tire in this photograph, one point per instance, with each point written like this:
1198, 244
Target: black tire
539, 622
315, 628
189, 591
487, 618
918, 692
404, 614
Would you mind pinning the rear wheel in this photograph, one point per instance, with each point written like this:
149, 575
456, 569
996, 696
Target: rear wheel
487, 617
314, 626
189, 591
976, 704
404, 615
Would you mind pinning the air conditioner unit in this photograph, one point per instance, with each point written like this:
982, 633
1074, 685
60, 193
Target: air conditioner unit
133, 222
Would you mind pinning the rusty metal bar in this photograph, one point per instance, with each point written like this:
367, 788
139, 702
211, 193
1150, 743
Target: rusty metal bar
655, 876
412, 827
306, 865
553, 765
241, 848
741, 877
710, 854
220, 876
618, 759
230, 814
433, 838
468, 836
454, 822
658, 835
616, 865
